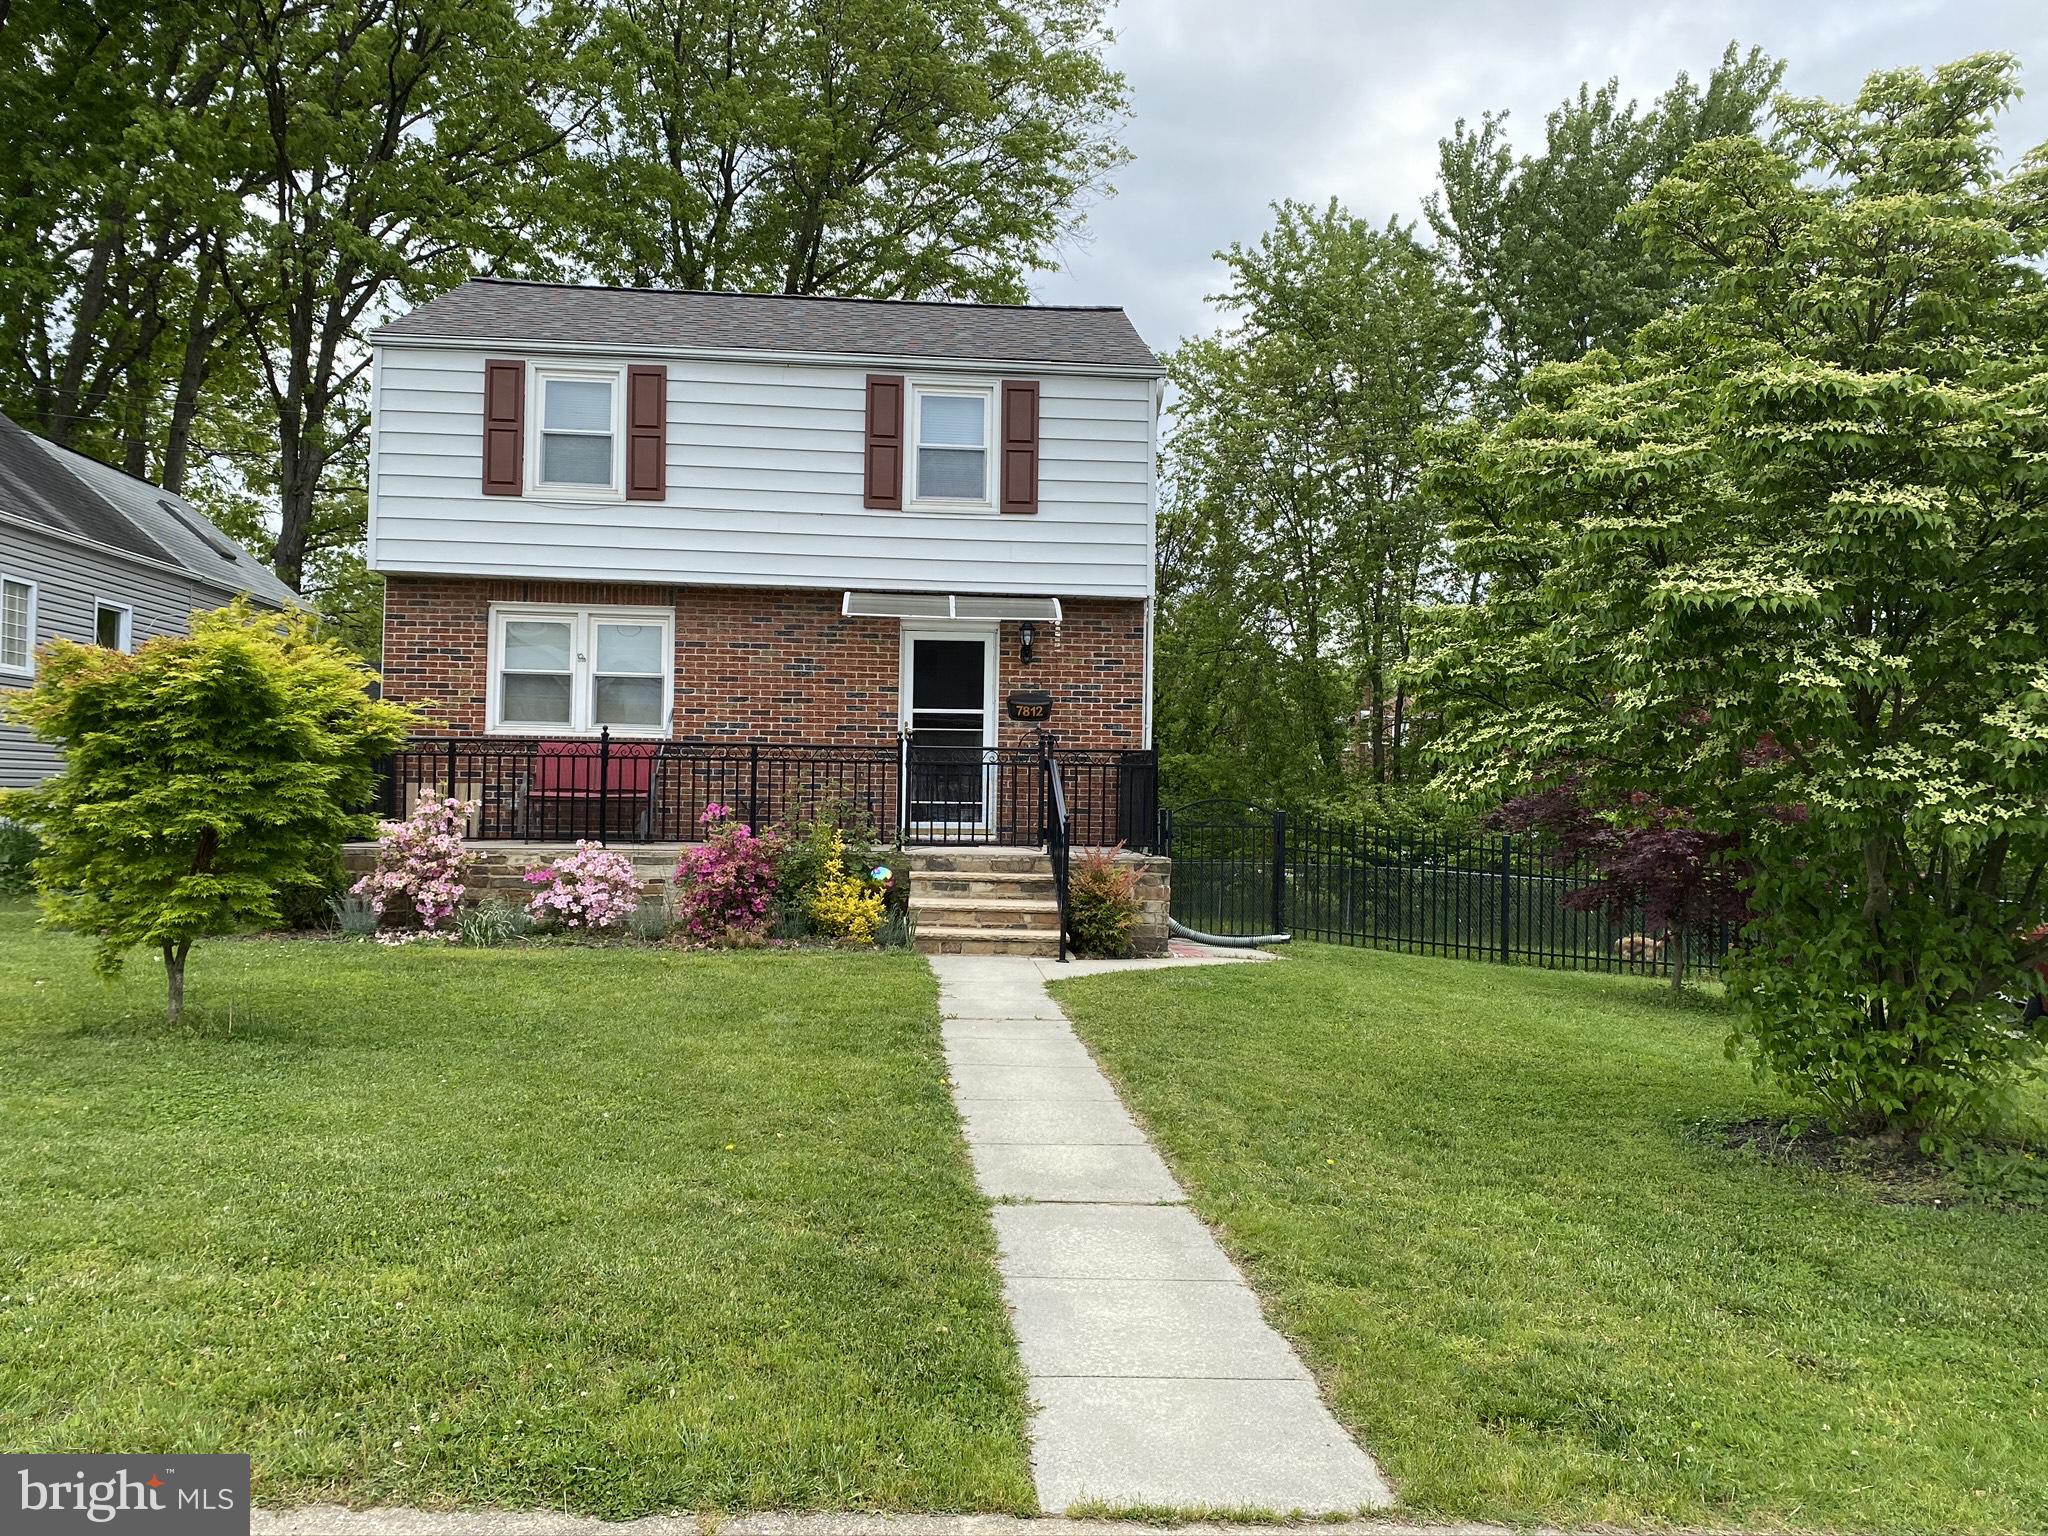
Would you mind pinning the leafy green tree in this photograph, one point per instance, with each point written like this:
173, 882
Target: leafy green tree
208, 208
393, 148
1782, 566
1541, 240
203, 776
117, 183
1294, 541
883, 148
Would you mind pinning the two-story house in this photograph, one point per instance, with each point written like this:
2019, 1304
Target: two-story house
886, 545
766, 519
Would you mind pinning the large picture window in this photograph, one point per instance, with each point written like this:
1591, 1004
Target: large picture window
577, 671
17, 626
952, 445
578, 440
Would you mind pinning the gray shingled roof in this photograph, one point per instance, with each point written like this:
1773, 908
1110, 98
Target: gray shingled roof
174, 523
36, 486
69, 493
496, 310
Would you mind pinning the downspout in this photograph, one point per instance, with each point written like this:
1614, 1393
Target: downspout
1152, 560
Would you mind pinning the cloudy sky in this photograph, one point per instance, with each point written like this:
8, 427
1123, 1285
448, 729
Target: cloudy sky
1236, 103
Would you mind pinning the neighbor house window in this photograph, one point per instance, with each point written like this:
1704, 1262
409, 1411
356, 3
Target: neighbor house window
952, 445
113, 625
577, 671
579, 431
17, 625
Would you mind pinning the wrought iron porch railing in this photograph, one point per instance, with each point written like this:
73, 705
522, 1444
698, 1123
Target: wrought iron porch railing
607, 789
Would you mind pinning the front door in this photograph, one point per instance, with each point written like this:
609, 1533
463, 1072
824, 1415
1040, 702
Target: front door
949, 711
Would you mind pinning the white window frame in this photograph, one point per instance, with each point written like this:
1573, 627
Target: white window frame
28, 669
583, 624
536, 416
917, 500
102, 605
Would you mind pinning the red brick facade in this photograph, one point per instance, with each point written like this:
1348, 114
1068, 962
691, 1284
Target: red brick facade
769, 665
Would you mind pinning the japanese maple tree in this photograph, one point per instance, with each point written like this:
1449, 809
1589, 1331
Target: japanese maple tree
203, 775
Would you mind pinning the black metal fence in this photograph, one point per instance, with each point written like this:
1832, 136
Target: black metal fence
1244, 870
534, 789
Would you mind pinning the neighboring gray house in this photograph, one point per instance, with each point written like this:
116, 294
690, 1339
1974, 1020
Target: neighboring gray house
90, 554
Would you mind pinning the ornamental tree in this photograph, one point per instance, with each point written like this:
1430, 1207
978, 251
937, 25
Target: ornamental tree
1643, 859
202, 775
1808, 509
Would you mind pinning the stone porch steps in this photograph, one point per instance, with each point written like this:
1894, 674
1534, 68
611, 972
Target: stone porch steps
987, 941
994, 885
1006, 914
984, 901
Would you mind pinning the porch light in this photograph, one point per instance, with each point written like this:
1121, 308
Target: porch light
1026, 635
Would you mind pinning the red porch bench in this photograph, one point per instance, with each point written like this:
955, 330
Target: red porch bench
571, 775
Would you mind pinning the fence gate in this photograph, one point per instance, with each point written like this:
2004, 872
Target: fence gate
1229, 867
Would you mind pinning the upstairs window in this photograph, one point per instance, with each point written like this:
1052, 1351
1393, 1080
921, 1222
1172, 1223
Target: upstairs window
17, 626
578, 440
577, 671
952, 445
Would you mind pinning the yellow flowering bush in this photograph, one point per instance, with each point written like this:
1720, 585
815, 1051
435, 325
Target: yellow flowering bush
846, 905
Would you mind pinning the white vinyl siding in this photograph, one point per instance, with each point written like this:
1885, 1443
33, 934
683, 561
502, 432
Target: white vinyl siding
71, 583
764, 488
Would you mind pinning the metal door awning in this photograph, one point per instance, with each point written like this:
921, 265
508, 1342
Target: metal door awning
942, 605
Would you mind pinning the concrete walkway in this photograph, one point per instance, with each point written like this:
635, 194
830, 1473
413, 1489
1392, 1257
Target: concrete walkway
1157, 1380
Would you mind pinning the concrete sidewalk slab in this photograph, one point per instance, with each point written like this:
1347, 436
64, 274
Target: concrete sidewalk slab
1048, 1123
1010, 1051
1266, 1445
1005, 1029
1157, 1379
1120, 1175
1197, 1329
1095, 1242
1036, 1084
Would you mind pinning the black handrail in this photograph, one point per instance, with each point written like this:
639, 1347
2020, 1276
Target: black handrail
1056, 844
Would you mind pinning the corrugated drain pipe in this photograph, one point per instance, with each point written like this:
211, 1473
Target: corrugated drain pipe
1224, 940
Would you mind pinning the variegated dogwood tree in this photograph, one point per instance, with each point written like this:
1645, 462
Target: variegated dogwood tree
1785, 565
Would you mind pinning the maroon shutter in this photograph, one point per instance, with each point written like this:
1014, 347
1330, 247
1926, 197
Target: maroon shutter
504, 427
1020, 446
647, 432
884, 480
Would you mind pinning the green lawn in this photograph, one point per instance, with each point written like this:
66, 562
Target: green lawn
615, 1231
1490, 1205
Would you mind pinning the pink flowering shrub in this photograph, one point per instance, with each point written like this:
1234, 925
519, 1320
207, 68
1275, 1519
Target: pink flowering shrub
590, 889
725, 885
419, 863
